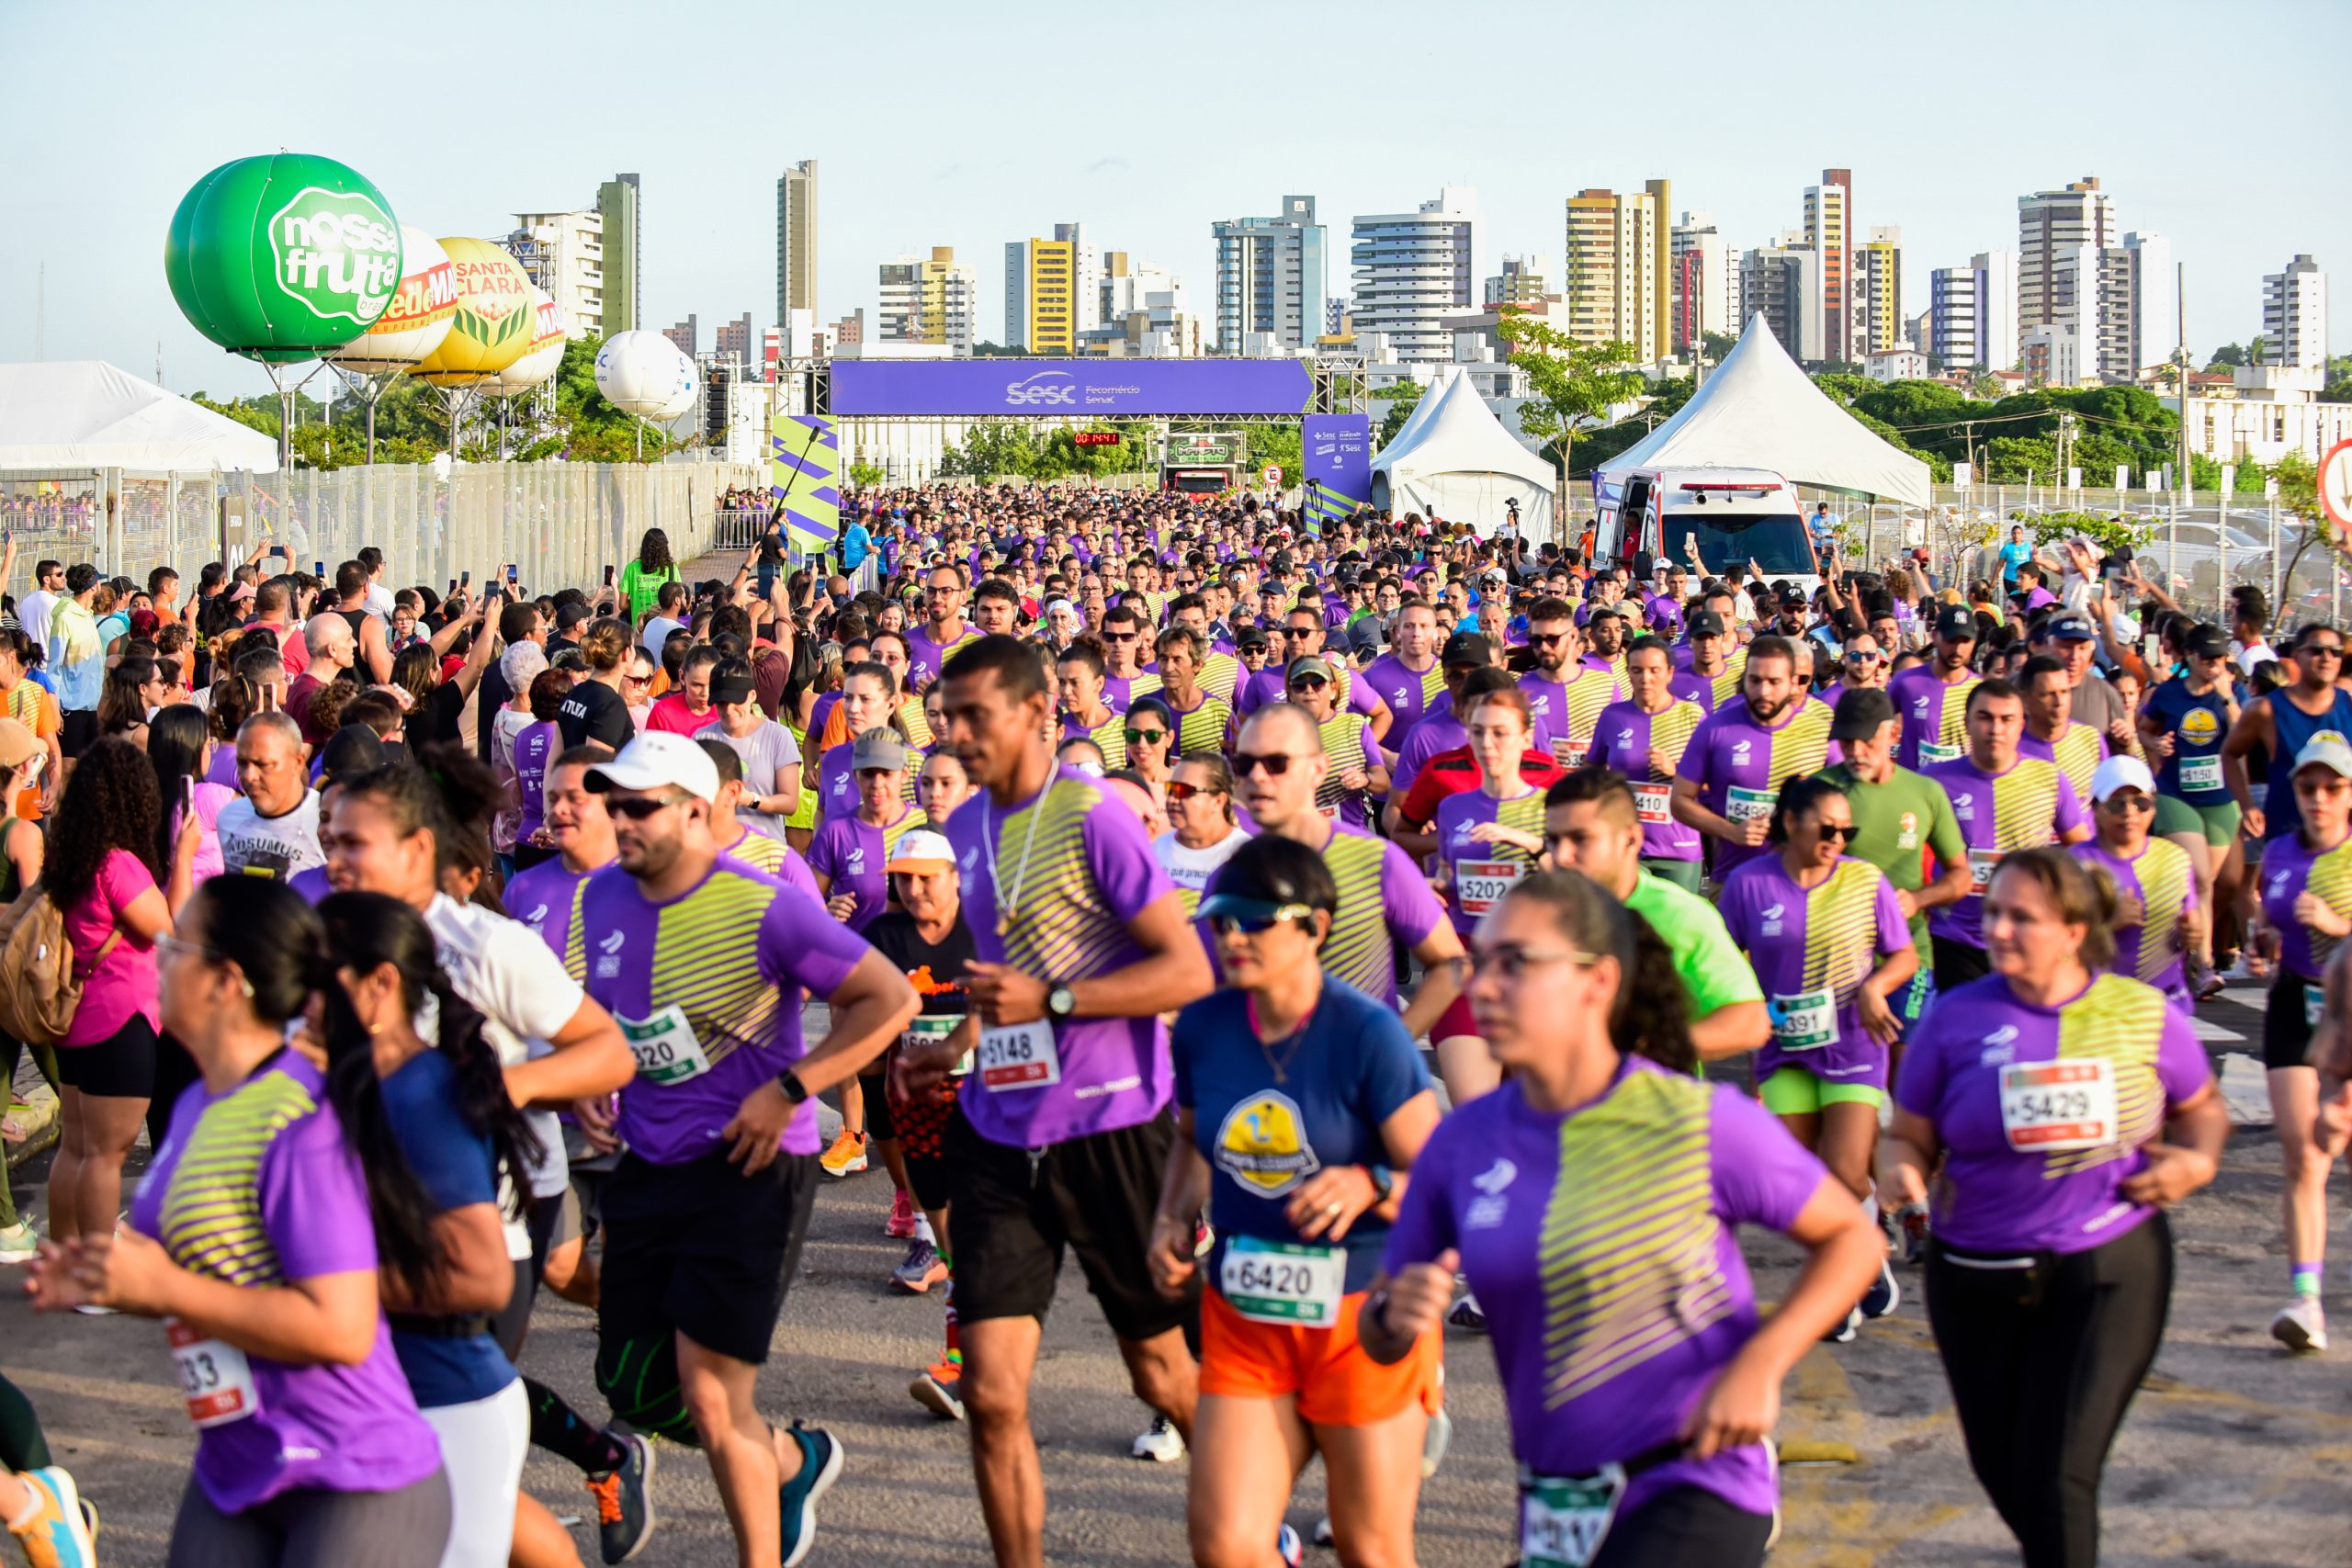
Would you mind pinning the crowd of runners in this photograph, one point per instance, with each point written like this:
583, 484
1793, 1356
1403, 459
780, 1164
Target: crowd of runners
1329, 936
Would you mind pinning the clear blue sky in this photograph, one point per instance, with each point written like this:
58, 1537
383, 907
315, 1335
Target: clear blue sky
973, 124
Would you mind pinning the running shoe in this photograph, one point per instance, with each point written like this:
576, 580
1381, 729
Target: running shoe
1885, 1295
846, 1157
56, 1533
1466, 1314
1844, 1332
1291, 1549
19, 1242
2302, 1324
940, 1389
624, 1503
1161, 1445
820, 1466
921, 1269
1323, 1535
902, 1217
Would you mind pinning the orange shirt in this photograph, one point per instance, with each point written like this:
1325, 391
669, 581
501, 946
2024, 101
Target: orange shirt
36, 711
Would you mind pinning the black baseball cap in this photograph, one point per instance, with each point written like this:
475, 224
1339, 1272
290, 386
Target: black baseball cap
1860, 711
1706, 623
1249, 637
2208, 642
2068, 628
1957, 621
1792, 599
1466, 648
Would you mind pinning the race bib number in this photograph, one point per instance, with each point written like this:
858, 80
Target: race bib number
1981, 864
1561, 1523
1930, 755
929, 1029
1018, 1055
2054, 1107
2314, 1002
216, 1379
1282, 1282
1651, 802
1805, 1022
1744, 804
665, 1046
1481, 884
2200, 773
1569, 754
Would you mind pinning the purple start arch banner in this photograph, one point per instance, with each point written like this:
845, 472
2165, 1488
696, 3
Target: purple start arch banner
1103, 388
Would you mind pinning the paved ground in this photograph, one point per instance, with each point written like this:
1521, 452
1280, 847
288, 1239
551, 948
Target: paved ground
2233, 1454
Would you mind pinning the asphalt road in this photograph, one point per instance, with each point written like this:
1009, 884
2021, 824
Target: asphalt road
2234, 1453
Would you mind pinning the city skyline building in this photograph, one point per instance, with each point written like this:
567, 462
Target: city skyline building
686, 335
1272, 276
734, 337
1972, 313
2054, 228
1617, 276
1705, 291
1052, 290
1878, 301
1830, 231
1524, 280
1411, 270
563, 254
620, 215
1782, 283
925, 299
796, 239
2294, 315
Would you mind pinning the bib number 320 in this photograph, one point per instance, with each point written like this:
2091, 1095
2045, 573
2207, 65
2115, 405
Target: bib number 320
1562, 1522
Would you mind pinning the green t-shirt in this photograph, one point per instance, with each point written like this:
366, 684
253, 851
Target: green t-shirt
1714, 972
643, 589
1895, 824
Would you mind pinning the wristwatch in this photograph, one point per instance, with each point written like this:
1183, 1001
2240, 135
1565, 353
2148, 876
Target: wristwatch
1384, 1182
1060, 1002
793, 1089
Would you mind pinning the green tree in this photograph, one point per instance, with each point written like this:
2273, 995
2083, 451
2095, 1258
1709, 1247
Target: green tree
1402, 398
2229, 357
865, 476
1279, 445
1716, 345
2109, 534
1574, 383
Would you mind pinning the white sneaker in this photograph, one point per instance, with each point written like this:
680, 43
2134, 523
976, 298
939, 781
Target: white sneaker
19, 1242
1161, 1444
2302, 1324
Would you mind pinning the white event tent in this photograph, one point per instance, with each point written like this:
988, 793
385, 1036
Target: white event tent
86, 413
1760, 411
1453, 460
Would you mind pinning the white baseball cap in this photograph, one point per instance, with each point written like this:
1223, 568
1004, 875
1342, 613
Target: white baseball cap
655, 759
922, 851
2121, 773
2325, 750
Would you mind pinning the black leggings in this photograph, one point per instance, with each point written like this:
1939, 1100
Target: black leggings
309, 1529
1686, 1525
22, 1447
2043, 1362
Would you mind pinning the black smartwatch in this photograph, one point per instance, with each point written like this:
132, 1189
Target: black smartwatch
1060, 1003
793, 1089
1384, 1182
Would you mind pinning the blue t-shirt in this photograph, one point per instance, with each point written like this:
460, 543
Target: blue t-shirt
1347, 1072
2014, 555
455, 1168
2197, 726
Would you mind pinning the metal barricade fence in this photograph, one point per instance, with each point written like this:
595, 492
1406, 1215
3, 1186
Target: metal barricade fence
559, 524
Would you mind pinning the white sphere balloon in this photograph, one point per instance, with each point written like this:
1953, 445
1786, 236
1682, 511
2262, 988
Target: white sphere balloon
423, 309
644, 373
550, 330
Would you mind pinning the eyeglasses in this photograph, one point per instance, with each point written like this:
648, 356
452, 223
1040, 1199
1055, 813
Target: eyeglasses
1302, 631
172, 946
1276, 763
2320, 650
1308, 683
2127, 801
1145, 737
1546, 639
1119, 637
1510, 961
1864, 656
1839, 831
637, 808
1179, 790
1259, 919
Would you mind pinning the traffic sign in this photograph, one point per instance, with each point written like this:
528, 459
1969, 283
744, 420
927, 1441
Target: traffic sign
2335, 483
1273, 475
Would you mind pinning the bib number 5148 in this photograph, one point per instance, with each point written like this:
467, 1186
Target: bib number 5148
1018, 1055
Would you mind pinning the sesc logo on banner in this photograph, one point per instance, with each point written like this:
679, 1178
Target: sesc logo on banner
1044, 387
337, 254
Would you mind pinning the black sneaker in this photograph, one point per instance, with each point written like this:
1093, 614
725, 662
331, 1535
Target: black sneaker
1843, 1332
820, 1466
625, 1503
1885, 1295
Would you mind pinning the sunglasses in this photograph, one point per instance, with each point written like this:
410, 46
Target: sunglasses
1835, 830
1276, 763
1251, 921
2320, 650
1310, 683
1511, 961
1860, 657
637, 808
1178, 790
1145, 737
1119, 637
2132, 802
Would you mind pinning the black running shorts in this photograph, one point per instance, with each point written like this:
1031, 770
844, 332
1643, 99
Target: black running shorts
1013, 1219
703, 1250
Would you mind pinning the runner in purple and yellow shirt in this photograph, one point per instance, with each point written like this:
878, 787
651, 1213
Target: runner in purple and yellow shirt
1733, 769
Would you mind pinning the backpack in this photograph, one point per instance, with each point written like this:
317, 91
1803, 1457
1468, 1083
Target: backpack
39, 990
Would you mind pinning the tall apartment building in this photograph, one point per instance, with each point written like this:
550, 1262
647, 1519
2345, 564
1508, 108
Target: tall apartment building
1272, 276
1829, 230
1524, 280
686, 335
2294, 316
2054, 228
619, 214
1619, 276
796, 239
1783, 285
927, 300
1972, 313
1052, 290
1878, 301
1411, 270
1706, 284
563, 254
735, 337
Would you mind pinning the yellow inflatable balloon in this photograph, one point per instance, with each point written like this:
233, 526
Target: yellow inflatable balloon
495, 319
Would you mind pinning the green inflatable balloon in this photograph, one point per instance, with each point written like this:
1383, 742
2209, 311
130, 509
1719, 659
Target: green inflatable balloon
283, 257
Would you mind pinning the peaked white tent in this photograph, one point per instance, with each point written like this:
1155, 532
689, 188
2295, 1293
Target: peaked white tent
86, 413
1759, 411
1457, 462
